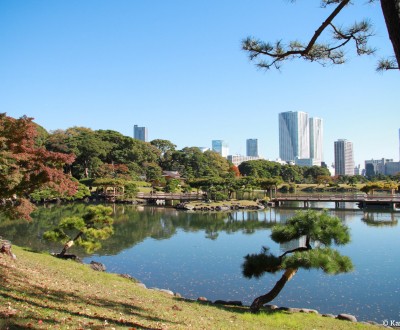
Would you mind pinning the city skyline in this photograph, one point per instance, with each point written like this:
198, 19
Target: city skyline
108, 65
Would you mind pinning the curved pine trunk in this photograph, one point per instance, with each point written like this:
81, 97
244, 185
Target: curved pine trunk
69, 244
271, 295
391, 12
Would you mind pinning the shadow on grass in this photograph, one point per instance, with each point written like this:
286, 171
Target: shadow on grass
24, 305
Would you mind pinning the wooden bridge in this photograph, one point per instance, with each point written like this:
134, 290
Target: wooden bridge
363, 200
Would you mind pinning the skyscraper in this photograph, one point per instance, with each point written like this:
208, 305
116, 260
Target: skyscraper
252, 147
316, 139
294, 135
140, 133
344, 158
221, 147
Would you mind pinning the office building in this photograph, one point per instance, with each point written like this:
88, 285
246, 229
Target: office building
316, 139
307, 162
220, 147
252, 147
294, 136
392, 168
238, 159
376, 166
140, 133
344, 157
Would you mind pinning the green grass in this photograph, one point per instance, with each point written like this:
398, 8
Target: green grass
38, 291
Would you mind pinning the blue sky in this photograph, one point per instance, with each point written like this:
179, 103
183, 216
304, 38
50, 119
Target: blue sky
177, 68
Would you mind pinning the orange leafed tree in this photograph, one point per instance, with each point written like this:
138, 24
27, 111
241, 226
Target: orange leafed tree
25, 166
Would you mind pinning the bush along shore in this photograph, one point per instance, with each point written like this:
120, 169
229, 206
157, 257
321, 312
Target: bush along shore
39, 291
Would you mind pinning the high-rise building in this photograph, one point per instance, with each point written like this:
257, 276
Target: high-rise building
221, 147
376, 166
140, 133
316, 139
294, 135
252, 147
344, 157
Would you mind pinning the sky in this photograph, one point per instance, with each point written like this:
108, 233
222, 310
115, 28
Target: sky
177, 68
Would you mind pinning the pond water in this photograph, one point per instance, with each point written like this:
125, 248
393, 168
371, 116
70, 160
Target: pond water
200, 254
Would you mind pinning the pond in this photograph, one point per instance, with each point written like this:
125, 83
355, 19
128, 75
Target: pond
200, 254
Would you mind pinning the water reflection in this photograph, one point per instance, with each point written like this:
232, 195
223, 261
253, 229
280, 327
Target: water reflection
380, 219
200, 254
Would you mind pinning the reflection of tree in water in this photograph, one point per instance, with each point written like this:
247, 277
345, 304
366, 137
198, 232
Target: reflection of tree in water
29, 233
380, 219
132, 225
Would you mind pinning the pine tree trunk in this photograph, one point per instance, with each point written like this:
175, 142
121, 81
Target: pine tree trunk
69, 244
391, 12
66, 247
262, 300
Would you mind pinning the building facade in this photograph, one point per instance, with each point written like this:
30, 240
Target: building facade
294, 135
238, 159
221, 147
392, 168
376, 166
252, 147
316, 139
140, 133
344, 157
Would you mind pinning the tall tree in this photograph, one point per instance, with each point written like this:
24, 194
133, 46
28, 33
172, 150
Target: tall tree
332, 51
319, 231
25, 166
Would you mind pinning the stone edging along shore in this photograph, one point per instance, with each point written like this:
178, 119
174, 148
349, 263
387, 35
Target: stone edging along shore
342, 316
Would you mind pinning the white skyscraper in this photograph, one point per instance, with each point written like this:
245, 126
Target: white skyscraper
294, 135
252, 147
344, 157
316, 139
221, 147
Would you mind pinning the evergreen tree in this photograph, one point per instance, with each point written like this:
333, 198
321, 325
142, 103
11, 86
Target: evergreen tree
85, 231
333, 50
320, 231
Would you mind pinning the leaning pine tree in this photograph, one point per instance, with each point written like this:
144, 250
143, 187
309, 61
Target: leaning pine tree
320, 231
85, 231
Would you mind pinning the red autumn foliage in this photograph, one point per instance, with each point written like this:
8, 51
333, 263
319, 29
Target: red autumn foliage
235, 170
25, 167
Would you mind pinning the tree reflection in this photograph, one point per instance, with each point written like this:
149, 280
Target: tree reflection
132, 225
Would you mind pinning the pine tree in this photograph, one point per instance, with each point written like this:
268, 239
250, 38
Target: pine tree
320, 231
85, 231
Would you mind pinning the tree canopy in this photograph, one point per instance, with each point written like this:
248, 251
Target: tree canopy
26, 166
319, 231
269, 54
86, 231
